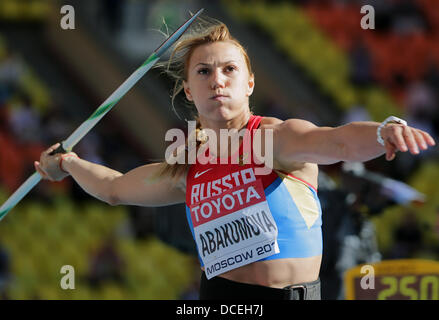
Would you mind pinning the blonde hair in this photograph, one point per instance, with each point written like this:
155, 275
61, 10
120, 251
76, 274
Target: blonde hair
203, 31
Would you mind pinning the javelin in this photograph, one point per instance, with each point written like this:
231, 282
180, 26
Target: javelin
99, 113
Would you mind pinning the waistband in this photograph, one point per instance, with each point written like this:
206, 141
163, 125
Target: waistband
218, 288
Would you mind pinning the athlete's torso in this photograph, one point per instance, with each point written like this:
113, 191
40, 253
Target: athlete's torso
229, 206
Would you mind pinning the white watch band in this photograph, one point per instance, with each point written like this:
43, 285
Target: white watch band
388, 120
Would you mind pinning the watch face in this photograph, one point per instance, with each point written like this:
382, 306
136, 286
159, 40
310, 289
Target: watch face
393, 280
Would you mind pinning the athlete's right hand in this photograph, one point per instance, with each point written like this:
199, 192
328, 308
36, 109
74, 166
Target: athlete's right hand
49, 165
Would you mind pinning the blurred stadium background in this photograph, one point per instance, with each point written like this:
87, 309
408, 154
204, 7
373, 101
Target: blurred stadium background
312, 60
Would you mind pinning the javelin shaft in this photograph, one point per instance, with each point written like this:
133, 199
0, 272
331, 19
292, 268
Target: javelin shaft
99, 113
19, 194
81, 131
109, 103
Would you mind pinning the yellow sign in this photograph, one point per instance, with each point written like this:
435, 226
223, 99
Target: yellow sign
393, 280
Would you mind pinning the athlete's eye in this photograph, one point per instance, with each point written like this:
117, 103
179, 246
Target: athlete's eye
230, 68
203, 71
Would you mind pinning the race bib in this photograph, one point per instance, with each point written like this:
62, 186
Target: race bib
234, 228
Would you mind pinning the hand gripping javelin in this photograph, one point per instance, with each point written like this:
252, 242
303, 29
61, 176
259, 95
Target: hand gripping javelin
99, 113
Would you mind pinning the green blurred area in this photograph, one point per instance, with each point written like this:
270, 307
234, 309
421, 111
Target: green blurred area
426, 215
33, 10
41, 238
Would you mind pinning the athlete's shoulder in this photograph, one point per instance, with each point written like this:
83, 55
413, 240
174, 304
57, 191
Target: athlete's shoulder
269, 121
291, 124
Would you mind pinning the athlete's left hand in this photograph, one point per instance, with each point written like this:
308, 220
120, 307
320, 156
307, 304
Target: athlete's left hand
398, 137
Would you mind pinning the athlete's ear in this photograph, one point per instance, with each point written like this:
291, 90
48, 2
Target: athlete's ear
187, 91
251, 85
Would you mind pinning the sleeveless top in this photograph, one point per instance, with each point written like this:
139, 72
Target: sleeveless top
238, 215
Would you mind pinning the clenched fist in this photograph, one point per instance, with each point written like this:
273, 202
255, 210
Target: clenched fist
49, 166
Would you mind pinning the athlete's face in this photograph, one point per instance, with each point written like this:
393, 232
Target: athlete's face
218, 81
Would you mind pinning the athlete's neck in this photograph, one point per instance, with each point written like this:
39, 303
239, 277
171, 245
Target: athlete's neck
239, 122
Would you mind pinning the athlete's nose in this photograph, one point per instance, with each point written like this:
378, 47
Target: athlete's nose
218, 80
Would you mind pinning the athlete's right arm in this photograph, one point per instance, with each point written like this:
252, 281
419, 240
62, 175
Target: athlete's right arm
136, 187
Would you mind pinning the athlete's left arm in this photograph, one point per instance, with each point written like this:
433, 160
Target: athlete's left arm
296, 140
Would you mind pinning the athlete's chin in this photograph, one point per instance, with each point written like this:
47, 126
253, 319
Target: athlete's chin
228, 112
224, 113
221, 112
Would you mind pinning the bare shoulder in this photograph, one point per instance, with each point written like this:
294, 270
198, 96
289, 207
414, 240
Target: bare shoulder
268, 122
298, 125
303, 170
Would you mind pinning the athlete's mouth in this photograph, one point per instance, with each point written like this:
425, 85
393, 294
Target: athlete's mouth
219, 97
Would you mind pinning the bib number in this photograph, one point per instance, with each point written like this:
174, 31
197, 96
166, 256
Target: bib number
234, 229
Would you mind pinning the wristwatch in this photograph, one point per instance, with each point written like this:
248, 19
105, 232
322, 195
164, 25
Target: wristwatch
391, 119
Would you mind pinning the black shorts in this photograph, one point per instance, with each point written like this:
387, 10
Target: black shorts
219, 288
